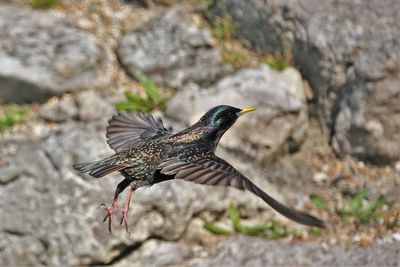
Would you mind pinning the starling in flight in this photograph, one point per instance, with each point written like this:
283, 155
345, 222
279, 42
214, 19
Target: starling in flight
147, 153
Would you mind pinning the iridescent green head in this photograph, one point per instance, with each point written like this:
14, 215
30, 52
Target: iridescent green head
221, 118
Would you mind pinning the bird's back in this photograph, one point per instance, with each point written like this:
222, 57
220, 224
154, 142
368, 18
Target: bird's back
142, 160
190, 144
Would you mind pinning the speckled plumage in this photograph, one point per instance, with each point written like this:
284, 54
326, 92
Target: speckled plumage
147, 153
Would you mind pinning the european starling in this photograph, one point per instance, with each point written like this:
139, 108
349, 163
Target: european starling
147, 153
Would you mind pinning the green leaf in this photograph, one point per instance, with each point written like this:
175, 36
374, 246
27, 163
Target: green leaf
278, 64
278, 226
369, 213
255, 229
223, 28
151, 89
373, 205
318, 201
215, 229
133, 97
275, 234
142, 104
356, 202
43, 3
277, 230
235, 218
125, 105
134, 102
361, 209
11, 115
315, 232
346, 216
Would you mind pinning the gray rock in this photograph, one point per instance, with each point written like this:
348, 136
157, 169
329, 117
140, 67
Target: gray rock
367, 124
87, 106
47, 204
59, 110
280, 123
253, 252
172, 49
92, 106
346, 51
157, 253
43, 56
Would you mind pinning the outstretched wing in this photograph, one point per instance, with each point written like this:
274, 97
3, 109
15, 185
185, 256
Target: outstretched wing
213, 170
126, 129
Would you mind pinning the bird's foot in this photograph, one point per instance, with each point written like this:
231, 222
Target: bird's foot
109, 215
124, 219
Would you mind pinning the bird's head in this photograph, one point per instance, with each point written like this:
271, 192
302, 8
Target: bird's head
221, 118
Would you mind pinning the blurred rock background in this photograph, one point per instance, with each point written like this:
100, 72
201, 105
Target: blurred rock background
324, 77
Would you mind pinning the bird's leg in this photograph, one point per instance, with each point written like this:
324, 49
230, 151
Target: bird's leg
110, 210
124, 219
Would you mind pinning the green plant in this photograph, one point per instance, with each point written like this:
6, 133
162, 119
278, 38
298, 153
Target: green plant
43, 3
153, 100
315, 232
222, 28
233, 55
11, 115
361, 209
278, 63
318, 201
215, 229
272, 230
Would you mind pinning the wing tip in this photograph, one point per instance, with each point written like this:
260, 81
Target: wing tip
294, 215
82, 167
312, 221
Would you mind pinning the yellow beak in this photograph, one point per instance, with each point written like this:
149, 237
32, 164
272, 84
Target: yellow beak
245, 110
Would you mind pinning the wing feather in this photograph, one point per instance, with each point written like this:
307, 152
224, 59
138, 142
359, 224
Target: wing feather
212, 170
127, 129
187, 173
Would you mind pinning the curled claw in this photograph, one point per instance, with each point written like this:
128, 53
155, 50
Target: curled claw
124, 220
114, 205
109, 214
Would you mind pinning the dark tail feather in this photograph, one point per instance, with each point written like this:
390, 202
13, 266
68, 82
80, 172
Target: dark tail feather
97, 169
294, 215
83, 167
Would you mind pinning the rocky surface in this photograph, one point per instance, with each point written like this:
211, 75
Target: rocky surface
172, 49
63, 219
280, 101
244, 251
345, 51
87, 106
59, 110
42, 56
159, 253
52, 214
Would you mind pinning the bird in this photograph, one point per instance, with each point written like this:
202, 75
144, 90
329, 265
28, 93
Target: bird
147, 153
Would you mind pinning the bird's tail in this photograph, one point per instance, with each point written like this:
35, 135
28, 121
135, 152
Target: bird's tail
97, 169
